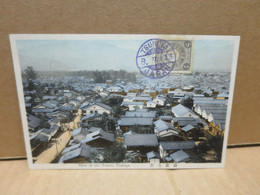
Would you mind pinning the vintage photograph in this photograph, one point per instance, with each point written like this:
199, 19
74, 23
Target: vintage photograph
125, 101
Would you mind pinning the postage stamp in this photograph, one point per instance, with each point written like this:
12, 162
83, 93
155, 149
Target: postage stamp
156, 58
183, 52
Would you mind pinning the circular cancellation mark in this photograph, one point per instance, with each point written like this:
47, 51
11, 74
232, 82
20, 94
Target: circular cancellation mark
156, 58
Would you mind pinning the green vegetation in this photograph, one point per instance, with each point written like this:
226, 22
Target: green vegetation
107, 123
187, 102
29, 73
212, 144
111, 154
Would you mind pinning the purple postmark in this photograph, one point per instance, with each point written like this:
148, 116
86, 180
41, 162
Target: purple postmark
156, 58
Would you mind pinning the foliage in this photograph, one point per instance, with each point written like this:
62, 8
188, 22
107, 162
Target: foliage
160, 112
111, 154
118, 111
102, 76
113, 100
107, 123
141, 130
215, 143
30, 73
71, 116
187, 102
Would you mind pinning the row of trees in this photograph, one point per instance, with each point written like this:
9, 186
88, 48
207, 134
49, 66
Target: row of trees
102, 76
98, 76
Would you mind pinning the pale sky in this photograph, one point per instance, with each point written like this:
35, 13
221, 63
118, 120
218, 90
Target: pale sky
74, 55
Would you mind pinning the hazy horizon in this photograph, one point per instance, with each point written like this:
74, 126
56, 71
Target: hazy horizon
91, 55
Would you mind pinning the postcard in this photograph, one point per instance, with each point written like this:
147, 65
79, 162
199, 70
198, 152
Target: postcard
125, 101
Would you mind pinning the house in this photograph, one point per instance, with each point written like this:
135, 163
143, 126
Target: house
54, 121
117, 90
150, 92
96, 108
208, 102
182, 111
207, 92
85, 104
91, 118
206, 112
48, 97
103, 94
222, 96
68, 95
142, 99
181, 122
128, 99
133, 105
179, 156
67, 108
140, 113
153, 157
199, 108
190, 132
166, 148
167, 119
151, 104
125, 123
217, 127
188, 88
74, 102
131, 94
53, 102
176, 94
81, 98
51, 131
45, 108
79, 134
39, 139
98, 88
109, 82
78, 153
33, 122
99, 138
216, 116
165, 131
160, 101
141, 142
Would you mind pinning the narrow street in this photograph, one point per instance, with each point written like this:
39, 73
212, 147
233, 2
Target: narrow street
50, 154
59, 143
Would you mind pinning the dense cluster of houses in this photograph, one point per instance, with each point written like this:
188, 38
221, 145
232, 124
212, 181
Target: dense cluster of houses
156, 126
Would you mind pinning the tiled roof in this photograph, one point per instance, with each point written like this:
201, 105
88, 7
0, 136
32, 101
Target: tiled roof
141, 140
179, 156
135, 121
177, 145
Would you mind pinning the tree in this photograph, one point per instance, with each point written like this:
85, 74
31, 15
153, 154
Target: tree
215, 143
98, 77
159, 112
113, 100
111, 154
107, 123
118, 111
187, 102
30, 73
141, 130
